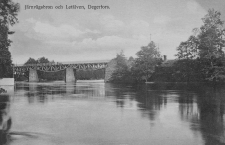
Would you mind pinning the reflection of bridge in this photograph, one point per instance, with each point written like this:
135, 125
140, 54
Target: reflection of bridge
43, 92
69, 67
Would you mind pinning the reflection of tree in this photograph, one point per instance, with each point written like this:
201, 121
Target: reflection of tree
120, 92
150, 101
187, 106
207, 115
211, 109
37, 92
5, 119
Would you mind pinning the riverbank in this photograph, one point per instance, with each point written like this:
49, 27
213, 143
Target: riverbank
6, 81
7, 84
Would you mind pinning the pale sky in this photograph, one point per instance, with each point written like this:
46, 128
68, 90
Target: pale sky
80, 35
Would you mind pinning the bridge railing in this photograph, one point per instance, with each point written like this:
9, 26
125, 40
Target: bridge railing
39, 64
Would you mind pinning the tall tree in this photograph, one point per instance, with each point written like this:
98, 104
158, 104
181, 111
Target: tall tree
211, 36
147, 58
207, 45
121, 71
186, 66
211, 44
8, 16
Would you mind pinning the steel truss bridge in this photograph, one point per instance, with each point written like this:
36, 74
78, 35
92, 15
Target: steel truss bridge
54, 67
68, 67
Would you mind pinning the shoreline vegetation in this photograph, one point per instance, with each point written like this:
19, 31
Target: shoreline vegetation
200, 58
8, 17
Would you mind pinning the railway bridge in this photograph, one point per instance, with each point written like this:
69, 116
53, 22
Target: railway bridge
69, 67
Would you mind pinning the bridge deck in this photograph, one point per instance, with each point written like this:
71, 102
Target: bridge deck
53, 67
65, 63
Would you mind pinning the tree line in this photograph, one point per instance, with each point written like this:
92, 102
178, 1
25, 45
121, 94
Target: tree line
199, 59
8, 16
203, 52
139, 69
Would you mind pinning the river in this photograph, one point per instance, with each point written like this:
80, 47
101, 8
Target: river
90, 113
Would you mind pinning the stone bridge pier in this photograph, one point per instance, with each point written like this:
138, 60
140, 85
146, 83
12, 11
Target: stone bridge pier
33, 76
70, 77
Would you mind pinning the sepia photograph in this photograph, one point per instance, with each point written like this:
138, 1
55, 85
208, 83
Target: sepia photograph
112, 72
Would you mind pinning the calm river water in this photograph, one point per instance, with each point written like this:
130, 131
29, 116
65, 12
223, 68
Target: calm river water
108, 114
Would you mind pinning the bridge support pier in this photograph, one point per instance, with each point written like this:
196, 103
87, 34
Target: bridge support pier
33, 76
70, 77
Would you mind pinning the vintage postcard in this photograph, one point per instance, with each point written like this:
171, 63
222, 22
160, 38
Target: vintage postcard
112, 72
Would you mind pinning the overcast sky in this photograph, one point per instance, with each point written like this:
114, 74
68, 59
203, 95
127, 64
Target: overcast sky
80, 35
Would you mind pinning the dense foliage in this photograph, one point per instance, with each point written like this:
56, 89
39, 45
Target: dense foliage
8, 16
202, 55
90, 74
122, 72
138, 69
147, 59
200, 58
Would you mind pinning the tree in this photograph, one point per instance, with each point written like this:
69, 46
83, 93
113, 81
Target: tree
131, 61
38, 61
43, 60
121, 73
211, 36
185, 68
203, 52
211, 44
30, 61
147, 58
8, 16
188, 49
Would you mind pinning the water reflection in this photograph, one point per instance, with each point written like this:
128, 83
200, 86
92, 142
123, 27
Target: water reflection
151, 102
202, 106
206, 113
143, 98
5, 119
193, 110
37, 92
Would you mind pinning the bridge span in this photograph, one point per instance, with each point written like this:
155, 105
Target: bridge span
69, 67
